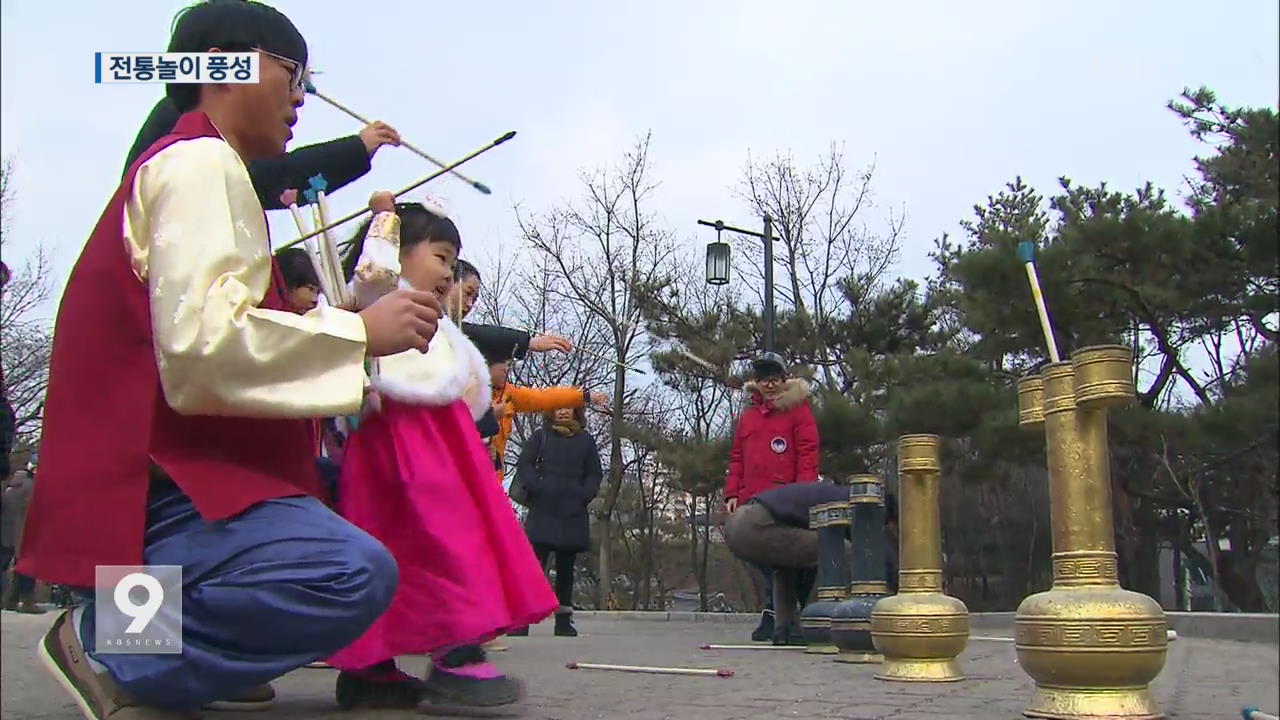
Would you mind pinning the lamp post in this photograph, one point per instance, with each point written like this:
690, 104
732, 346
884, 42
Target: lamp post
718, 267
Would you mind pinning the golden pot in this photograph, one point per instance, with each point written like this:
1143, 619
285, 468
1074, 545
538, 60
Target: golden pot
919, 631
1031, 402
1104, 376
1091, 647
1092, 652
919, 453
920, 636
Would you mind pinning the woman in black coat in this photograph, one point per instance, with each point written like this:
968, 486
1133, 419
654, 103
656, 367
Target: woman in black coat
560, 469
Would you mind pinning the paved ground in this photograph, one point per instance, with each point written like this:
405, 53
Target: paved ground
1202, 679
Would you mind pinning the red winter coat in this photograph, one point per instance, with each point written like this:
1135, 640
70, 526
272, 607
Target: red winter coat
774, 444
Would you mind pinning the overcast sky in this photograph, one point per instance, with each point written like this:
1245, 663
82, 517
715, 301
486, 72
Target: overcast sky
950, 99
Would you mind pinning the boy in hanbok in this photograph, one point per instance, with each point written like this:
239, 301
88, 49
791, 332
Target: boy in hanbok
177, 419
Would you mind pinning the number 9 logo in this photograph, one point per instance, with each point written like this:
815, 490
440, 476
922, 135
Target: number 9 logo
142, 614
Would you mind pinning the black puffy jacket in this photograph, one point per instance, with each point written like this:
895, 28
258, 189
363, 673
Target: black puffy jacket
562, 476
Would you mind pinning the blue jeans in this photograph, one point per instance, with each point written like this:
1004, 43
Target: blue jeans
285, 583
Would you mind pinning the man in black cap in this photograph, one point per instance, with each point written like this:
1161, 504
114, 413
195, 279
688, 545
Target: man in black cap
775, 443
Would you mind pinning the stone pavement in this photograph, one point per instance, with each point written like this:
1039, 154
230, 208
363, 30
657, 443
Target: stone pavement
1203, 679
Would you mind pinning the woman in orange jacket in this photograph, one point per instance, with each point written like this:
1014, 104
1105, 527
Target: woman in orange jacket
510, 399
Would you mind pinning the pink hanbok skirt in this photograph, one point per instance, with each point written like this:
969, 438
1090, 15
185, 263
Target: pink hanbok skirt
418, 479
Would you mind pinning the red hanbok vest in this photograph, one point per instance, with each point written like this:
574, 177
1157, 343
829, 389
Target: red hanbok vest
106, 419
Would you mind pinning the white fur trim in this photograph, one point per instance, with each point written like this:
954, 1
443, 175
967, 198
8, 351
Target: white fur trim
451, 369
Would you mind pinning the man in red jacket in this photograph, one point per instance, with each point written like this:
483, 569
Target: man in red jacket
775, 443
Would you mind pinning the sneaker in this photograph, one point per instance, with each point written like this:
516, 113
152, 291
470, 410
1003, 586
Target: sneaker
564, 625
384, 689
764, 631
519, 632
95, 694
496, 645
447, 690
252, 700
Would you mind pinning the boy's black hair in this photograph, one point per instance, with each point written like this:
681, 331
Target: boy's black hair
464, 270
231, 26
296, 268
417, 225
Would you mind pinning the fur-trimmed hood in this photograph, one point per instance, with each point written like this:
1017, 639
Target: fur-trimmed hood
794, 392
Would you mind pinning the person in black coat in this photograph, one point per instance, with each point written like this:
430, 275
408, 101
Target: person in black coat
560, 469
340, 161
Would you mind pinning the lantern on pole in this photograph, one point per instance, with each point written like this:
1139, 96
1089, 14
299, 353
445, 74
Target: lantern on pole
718, 259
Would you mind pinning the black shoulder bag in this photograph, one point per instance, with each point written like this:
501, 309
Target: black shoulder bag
518, 493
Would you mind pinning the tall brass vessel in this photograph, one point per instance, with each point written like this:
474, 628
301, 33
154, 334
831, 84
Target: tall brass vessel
851, 619
831, 522
1092, 647
919, 631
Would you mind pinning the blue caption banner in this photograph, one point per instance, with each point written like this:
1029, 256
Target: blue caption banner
187, 68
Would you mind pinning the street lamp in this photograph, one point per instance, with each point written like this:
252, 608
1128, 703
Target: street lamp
718, 267
718, 261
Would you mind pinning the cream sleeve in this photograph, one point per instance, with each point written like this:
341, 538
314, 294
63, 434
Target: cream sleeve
377, 270
197, 237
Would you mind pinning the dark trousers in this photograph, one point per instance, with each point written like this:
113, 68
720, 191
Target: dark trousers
24, 586
564, 572
801, 584
755, 536
284, 583
767, 572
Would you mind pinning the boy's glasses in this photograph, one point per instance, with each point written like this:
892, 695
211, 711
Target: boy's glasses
298, 74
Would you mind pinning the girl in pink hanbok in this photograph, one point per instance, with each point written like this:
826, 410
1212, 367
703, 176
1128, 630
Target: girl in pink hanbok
417, 477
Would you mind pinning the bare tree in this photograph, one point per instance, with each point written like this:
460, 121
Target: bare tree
824, 246
501, 272
597, 251
529, 304
26, 339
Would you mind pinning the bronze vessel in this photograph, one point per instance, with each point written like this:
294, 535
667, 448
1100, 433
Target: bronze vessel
1091, 647
920, 631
